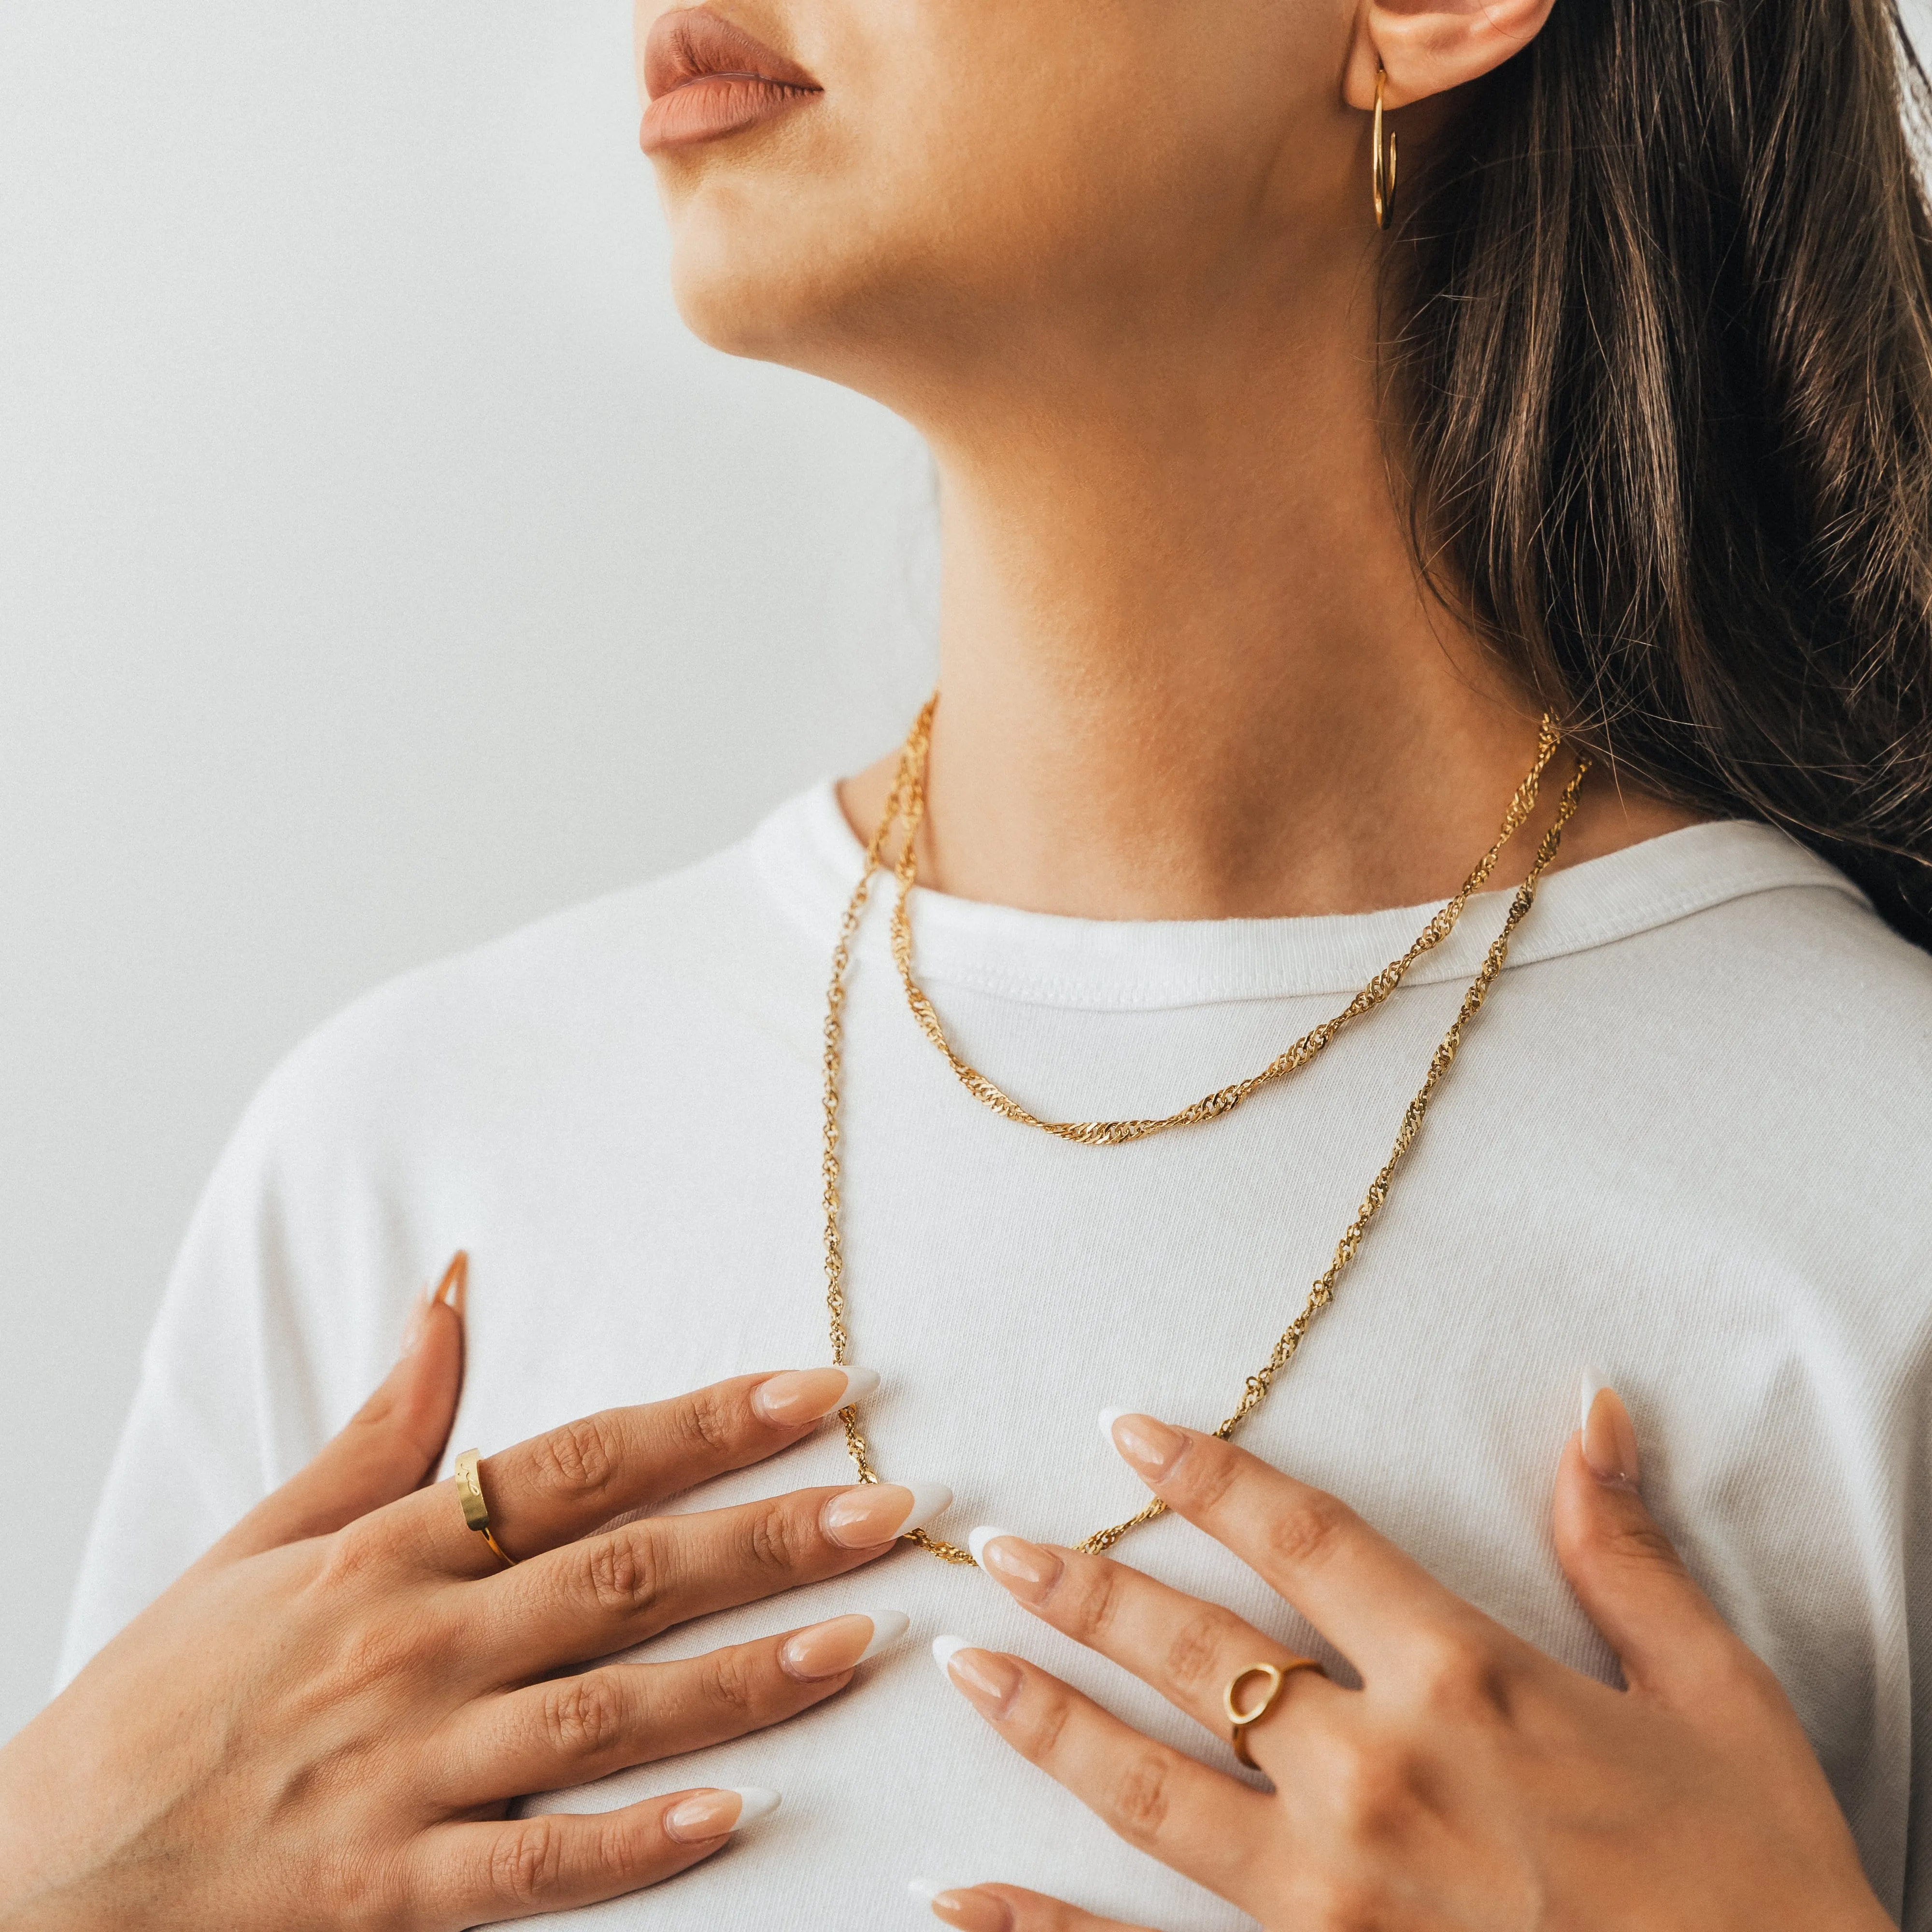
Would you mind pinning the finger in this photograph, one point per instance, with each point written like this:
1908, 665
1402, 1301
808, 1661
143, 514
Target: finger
1632, 1584
479, 1874
1199, 1822
1006, 1908
571, 1480
1365, 1595
603, 1593
389, 1447
571, 1730
1190, 1651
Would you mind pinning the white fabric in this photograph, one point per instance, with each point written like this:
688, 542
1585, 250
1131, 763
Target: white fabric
1686, 1145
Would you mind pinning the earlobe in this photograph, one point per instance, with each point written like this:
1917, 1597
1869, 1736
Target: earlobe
1430, 47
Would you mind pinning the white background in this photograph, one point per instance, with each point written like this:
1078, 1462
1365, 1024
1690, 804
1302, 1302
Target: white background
381, 566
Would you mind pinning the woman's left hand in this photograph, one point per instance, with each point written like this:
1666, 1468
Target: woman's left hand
1471, 1782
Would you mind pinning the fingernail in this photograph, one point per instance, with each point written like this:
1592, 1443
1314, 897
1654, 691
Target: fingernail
842, 1644
1610, 1438
453, 1291
875, 1513
711, 1814
990, 1680
1151, 1447
971, 1911
804, 1395
1029, 1570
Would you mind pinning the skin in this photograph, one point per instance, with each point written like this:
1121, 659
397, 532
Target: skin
322, 1724
1114, 261
1113, 258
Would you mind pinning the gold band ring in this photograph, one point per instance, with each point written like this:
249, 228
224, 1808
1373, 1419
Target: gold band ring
476, 1510
1243, 1718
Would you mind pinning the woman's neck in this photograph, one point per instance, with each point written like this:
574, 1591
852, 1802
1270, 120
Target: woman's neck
1187, 670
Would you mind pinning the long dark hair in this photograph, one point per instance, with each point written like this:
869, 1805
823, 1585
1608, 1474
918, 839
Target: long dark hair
1659, 327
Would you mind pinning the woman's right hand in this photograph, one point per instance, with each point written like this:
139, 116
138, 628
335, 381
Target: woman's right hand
324, 1722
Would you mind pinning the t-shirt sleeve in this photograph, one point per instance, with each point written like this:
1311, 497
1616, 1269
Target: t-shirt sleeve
366, 1160
260, 1351
192, 1456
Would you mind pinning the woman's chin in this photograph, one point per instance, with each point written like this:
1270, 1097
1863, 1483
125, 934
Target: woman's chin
742, 314
766, 289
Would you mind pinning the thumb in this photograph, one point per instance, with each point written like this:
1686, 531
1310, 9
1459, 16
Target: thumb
390, 1445
1631, 1583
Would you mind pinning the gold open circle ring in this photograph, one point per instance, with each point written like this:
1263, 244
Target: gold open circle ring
476, 1510
1243, 1717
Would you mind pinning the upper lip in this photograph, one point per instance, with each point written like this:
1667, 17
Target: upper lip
694, 44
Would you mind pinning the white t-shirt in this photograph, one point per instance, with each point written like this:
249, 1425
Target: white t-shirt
1687, 1144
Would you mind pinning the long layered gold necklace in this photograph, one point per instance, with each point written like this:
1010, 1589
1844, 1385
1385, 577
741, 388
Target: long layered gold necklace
905, 808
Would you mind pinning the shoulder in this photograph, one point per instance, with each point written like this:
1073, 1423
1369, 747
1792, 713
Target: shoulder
1804, 1008
1758, 1035
717, 958
1750, 937
1734, 926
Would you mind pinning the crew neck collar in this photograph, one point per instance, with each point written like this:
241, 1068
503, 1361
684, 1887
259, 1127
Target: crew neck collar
809, 859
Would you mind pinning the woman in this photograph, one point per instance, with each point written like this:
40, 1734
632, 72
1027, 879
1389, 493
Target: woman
1291, 476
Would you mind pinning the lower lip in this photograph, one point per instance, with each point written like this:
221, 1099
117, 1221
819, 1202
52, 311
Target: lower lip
710, 108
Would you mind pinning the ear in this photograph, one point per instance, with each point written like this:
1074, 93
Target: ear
1429, 47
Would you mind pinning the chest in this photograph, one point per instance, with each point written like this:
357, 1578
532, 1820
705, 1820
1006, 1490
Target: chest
1008, 1286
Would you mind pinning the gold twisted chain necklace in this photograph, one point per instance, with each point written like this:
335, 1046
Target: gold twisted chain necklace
905, 808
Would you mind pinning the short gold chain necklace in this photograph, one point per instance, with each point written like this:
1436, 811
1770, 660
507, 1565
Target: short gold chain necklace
905, 808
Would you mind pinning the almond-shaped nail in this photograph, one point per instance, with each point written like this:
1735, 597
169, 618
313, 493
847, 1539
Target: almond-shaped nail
804, 1395
842, 1644
1609, 1437
454, 1288
1028, 1570
876, 1512
971, 1910
1151, 1447
992, 1681
711, 1814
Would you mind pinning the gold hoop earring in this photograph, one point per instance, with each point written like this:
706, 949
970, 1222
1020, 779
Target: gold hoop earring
1382, 174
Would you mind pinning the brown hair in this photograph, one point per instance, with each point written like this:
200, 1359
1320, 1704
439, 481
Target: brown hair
1661, 337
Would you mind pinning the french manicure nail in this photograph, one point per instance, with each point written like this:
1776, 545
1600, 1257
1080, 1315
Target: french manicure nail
971, 1910
454, 1288
990, 1680
876, 1512
1609, 1437
711, 1814
1027, 1569
804, 1395
841, 1644
889, 1628
977, 1540
1151, 1447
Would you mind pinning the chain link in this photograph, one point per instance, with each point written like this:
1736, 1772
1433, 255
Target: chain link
905, 807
